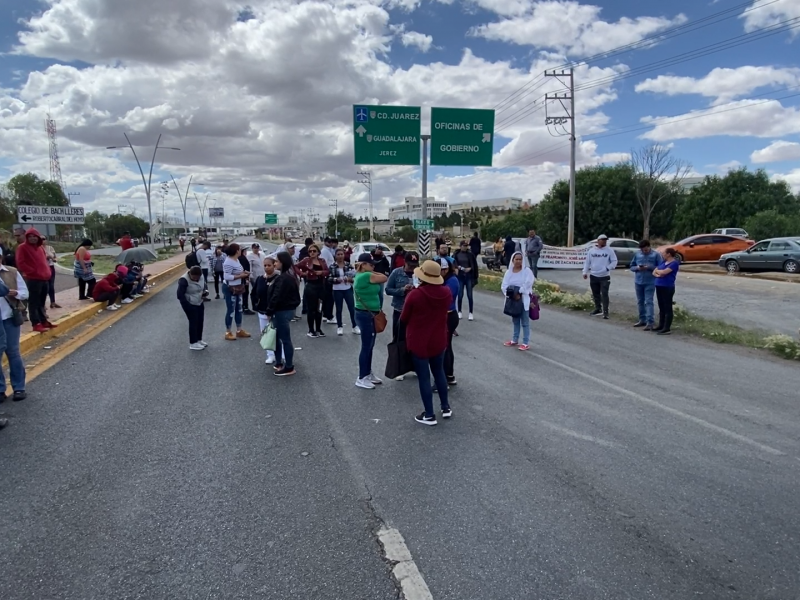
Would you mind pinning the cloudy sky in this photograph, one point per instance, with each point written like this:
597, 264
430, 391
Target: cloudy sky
258, 94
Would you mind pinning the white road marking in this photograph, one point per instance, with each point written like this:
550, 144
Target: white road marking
668, 409
405, 570
580, 436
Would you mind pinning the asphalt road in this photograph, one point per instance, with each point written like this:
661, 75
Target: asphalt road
749, 303
604, 463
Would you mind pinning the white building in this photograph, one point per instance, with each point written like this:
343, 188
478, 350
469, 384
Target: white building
491, 204
412, 209
691, 182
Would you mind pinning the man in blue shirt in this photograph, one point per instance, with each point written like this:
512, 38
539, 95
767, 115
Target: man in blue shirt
643, 264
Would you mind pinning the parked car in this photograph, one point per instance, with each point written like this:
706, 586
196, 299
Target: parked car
706, 247
732, 231
369, 247
775, 254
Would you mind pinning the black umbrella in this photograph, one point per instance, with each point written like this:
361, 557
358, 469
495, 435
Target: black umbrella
135, 254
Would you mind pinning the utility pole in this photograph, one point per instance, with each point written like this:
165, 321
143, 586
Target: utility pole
334, 202
147, 182
562, 98
424, 237
184, 199
367, 181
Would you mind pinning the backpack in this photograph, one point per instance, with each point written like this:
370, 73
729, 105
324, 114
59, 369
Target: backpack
192, 260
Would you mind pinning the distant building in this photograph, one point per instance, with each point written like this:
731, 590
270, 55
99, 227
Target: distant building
380, 227
412, 209
491, 204
691, 182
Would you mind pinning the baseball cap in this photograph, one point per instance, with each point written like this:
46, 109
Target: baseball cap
602, 236
412, 257
365, 257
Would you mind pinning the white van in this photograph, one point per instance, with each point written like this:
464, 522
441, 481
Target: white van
733, 232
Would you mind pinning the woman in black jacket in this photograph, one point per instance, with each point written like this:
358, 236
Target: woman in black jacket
262, 290
284, 298
246, 282
466, 265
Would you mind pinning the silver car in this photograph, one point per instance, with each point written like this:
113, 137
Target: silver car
774, 254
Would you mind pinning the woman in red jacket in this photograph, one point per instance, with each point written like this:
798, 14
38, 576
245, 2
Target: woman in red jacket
425, 317
108, 288
32, 263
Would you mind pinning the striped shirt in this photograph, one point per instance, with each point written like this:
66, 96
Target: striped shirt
230, 269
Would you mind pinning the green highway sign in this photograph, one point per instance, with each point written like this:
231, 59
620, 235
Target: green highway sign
462, 137
386, 135
423, 224
270, 219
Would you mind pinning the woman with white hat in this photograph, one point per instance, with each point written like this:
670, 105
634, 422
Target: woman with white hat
425, 317
517, 287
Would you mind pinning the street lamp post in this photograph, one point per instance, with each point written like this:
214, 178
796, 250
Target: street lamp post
147, 181
334, 202
367, 181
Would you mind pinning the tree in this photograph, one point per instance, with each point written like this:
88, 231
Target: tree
731, 200
656, 176
29, 189
345, 222
771, 223
403, 223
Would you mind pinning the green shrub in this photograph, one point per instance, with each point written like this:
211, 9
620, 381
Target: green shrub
783, 346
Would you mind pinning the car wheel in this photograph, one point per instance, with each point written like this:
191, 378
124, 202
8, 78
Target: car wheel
679, 257
791, 266
732, 266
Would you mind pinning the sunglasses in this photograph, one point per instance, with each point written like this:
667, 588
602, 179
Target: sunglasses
313, 251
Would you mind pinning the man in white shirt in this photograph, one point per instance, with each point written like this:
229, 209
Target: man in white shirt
600, 261
204, 256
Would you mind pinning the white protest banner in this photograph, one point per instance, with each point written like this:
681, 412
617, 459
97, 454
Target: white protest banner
555, 257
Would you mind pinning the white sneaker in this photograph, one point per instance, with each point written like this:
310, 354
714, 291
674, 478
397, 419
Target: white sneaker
471, 318
365, 383
357, 330
127, 301
196, 346
203, 344
460, 315
137, 296
400, 378
375, 380
270, 360
339, 331
118, 306
112, 307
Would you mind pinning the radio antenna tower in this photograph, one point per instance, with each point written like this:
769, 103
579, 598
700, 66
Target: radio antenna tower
55, 164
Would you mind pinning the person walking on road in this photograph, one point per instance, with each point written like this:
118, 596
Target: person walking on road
217, 266
12, 292
533, 249
243, 260
284, 299
82, 270
398, 286
313, 270
262, 290
644, 262
475, 244
600, 261
182, 242
367, 286
191, 293
125, 242
425, 317
256, 267
341, 277
517, 285
234, 277
50, 253
32, 263
452, 283
466, 265
204, 262
665, 276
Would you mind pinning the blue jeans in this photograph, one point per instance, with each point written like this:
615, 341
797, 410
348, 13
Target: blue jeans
533, 263
233, 308
644, 298
466, 282
341, 297
523, 320
284, 347
424, 367
366, 322
10, 345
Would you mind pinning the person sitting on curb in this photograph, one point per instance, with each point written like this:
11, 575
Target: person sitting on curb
107, 290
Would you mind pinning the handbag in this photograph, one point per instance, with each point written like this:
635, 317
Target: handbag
379, 319
513, 308
18, 316
269, 338
533, 311
237, 290
399, 361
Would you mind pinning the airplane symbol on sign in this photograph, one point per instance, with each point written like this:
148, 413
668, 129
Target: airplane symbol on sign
361, 115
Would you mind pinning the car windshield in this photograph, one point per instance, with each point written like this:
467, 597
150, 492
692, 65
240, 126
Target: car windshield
686, 240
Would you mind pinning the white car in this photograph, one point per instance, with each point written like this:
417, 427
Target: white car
369, 247
733, 232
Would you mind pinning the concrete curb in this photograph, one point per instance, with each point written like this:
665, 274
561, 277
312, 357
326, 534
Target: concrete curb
33, 341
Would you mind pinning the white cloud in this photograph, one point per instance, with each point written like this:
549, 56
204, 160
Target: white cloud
416, 39
763, 14
756, 118
721, 84
792, 178
263, 120
776, 152
566, 26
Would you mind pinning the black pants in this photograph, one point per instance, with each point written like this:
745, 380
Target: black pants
327, 301
600, 287
110, 297
449, 355
217, 279
86, 288
196, 315
246, 295
664, 296
37, 296
51, 285
313, 293
205, 278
